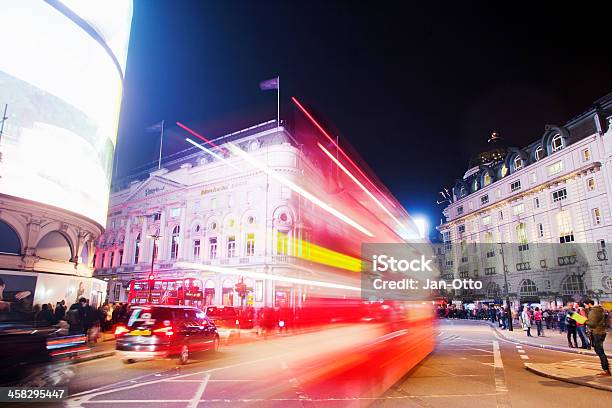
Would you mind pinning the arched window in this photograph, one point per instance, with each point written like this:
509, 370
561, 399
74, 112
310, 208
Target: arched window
518, 163
250, 244
55, 246
493, 290
486, 180
528, 287
137, 249
539, 153
9, 240
572, 285
557, 143
174, 247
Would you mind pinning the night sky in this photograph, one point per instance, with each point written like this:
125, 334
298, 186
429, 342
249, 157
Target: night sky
416, 91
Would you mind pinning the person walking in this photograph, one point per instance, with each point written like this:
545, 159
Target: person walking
45, 316
597, 324
537, 316
74, 317
526, 318
581, 329
571, 328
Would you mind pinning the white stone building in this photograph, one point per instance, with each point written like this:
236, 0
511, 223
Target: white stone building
548, 205
227, 213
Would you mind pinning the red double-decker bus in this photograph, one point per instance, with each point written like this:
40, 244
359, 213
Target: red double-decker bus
182, 291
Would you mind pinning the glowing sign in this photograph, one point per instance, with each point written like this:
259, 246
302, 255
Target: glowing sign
61, 74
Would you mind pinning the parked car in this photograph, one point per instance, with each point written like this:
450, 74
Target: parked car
159, 331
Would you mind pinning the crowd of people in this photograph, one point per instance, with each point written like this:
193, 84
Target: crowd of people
81, 317
583, 320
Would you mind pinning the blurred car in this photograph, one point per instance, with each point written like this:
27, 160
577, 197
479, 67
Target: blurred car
226, 319
159, 331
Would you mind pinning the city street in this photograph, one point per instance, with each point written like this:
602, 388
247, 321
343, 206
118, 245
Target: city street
337, 368
471, 364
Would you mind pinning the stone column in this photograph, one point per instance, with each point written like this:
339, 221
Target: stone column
144, 242
127, 240
183, 244
162, 249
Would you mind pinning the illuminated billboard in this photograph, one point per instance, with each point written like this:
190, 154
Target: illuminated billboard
61, 78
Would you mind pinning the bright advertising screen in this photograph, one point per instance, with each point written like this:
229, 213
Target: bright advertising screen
61, 78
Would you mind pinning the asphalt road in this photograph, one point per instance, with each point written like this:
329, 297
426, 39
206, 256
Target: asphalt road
471, 367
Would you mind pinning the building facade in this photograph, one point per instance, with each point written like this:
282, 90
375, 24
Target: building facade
226, 214
538, 217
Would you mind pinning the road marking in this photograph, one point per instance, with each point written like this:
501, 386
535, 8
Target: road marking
193, 403
521, 351
524, 357
501, 390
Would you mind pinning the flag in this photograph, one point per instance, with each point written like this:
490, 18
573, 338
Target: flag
156, 127
269, 84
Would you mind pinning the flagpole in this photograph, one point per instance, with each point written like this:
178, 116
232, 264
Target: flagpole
161, 144
278, 102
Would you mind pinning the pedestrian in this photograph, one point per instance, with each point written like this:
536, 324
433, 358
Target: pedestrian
74, 317
526, 318
537, 316
546, 317
581, 328
60, 310
571, 328
597, 325
561, 319
45, 316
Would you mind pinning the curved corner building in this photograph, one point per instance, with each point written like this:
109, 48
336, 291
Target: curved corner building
61, 81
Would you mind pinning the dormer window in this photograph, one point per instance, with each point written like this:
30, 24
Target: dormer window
504, 171
486, 180
518, 163
539, 153
557, 143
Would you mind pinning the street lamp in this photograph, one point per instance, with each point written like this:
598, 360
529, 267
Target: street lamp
508, 311
155, 237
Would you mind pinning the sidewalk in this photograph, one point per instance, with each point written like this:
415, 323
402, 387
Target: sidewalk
575, 371
552, 340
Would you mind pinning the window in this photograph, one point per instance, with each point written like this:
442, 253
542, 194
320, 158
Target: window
120, 257
484, 199
175, 212
250, 244
212, 248
460, 210
174, 247
564, 224
559, 195
596, 217
586, 155
557, 143
591, 184
137, 249
449, 262
231, 246
282, 243
521, 237
518, 163
462, 192
536, 202
102, 260
539, 153
516, 185
196, 249
475, 185
533, 178
528, 287
111, 259
93, 261
518, 209
157, 216
285, 193
461, 228
540, 230
486, 220
486, 179
490, 271
555, 168
501, 215
504, 171
572, 285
